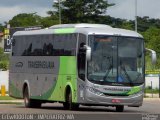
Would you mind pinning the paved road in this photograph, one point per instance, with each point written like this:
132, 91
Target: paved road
150, 106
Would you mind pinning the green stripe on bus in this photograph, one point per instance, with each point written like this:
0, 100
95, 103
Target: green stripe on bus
64, 30
134, 90
68, 72
67, 69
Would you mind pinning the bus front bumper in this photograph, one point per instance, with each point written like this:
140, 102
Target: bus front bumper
101, 99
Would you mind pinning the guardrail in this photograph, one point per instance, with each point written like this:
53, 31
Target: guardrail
152, 72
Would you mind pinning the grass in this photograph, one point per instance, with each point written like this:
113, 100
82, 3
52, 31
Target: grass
3, 100
15, 103
6, 98
154, 91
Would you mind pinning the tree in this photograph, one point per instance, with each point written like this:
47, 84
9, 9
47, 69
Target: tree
127, 25
49, 21
32, 19
4, 60
1, 27
80, 11
24, 20
152, 40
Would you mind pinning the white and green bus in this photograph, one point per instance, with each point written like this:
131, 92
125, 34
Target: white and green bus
78, 64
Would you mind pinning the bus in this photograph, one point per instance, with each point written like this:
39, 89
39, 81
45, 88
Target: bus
78, 64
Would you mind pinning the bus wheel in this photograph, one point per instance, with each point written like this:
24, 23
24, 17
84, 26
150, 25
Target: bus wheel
120, 108
68, 104
29, 103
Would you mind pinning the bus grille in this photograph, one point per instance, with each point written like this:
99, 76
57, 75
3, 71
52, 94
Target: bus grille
108, 94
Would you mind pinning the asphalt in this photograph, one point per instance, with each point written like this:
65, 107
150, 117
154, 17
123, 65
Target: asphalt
150, 107
21, 100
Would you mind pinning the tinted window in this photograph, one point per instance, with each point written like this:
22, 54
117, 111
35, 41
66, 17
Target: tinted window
81, 56
45, 45
65, 45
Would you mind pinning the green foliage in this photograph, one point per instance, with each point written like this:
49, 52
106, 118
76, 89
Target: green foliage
49, 21
152, 40
150, 90
24, 20
4, 60
80, 11
1, 27
31, 19
145, 23
6, 98
127, 25
4, 65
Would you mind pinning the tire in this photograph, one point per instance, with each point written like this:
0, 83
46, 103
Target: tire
120, 108
68, 104
29, 103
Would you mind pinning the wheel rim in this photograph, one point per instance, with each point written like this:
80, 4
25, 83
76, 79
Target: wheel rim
70, 100
26, 100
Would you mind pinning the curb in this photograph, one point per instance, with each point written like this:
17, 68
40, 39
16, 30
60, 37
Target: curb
11, 101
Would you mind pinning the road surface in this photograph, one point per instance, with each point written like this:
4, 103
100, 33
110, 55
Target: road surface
150, 106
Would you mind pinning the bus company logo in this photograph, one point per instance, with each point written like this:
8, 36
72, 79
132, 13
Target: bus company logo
41, 64
117, 89
19, 64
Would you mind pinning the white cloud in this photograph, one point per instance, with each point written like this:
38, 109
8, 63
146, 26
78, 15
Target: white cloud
149, 8
123, 8
9, 12
126, 8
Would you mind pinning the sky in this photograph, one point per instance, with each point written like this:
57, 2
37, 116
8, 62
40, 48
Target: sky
123, 8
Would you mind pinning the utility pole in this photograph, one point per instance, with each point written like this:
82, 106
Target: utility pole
59, 2
136, 15
59, 9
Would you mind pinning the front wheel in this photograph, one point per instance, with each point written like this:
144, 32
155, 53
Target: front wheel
68, 103
120, 108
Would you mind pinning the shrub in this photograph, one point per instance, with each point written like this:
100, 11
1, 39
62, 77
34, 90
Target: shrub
4, 65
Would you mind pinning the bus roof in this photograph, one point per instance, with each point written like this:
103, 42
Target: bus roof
81, 28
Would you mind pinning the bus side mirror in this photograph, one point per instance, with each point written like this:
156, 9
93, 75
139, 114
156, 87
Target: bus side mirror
153, 55
88, 52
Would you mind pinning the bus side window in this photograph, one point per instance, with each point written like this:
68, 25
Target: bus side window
81, 57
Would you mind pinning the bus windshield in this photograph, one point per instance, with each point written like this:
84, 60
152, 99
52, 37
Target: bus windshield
116, 60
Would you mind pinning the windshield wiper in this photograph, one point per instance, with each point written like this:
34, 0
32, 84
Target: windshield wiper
109, 68
137, 78
125, 72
